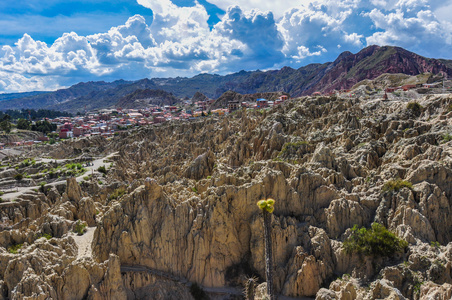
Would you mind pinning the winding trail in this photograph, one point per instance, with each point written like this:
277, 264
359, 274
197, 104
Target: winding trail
89, 170
84, 243
214, 291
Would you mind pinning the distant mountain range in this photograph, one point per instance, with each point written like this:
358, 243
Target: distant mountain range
19, 95
347, 70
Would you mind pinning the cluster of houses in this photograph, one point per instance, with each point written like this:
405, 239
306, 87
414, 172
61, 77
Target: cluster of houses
108, 121
260, 103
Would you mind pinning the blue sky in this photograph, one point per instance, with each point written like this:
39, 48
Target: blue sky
50, 44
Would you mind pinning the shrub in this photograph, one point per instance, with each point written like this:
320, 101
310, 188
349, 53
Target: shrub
19, 176
376, 240
47, 236
118, 193
396, 185
44, 235
80, 227
292, 147
447, 137
42, 186
27, 162
435, 244
414, 107
51, 173
14, 248
70, 166
102, 170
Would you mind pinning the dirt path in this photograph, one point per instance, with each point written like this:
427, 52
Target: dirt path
89, 170
84, 243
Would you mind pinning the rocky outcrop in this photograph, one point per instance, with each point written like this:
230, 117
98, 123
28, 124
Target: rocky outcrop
179, 206
201, 167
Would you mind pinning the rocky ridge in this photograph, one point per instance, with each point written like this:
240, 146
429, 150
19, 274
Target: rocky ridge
188, 207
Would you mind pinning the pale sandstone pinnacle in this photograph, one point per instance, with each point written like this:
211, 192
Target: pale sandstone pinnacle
194, 219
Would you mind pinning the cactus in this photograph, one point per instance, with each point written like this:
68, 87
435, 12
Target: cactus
250, 286
267, 207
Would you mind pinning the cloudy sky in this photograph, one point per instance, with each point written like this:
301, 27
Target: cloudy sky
50, 44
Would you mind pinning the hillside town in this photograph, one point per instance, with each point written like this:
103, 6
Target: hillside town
107, 122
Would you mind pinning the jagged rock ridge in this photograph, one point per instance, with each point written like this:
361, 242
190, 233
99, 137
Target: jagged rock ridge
189, 212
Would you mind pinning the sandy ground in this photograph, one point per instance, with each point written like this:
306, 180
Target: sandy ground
84, 243
10, 152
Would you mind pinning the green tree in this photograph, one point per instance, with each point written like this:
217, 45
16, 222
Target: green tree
5, 124
43, 126
267, 207
376, 241
23, 124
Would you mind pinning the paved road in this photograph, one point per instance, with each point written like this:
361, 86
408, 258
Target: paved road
89, 170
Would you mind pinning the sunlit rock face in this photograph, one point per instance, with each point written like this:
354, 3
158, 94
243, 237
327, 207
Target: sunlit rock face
178, 205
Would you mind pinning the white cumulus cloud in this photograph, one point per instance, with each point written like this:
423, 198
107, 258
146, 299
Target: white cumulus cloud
422, 32
249, 35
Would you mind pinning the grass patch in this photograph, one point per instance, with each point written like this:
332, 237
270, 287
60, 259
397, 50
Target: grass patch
395, 185
80, 227
293, 146
194, 189
360, 145
118, 193
27, 162
14, 248
435, 244
447, 137
44, 235
377, 241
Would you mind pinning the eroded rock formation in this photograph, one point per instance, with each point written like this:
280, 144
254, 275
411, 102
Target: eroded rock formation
179, 206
